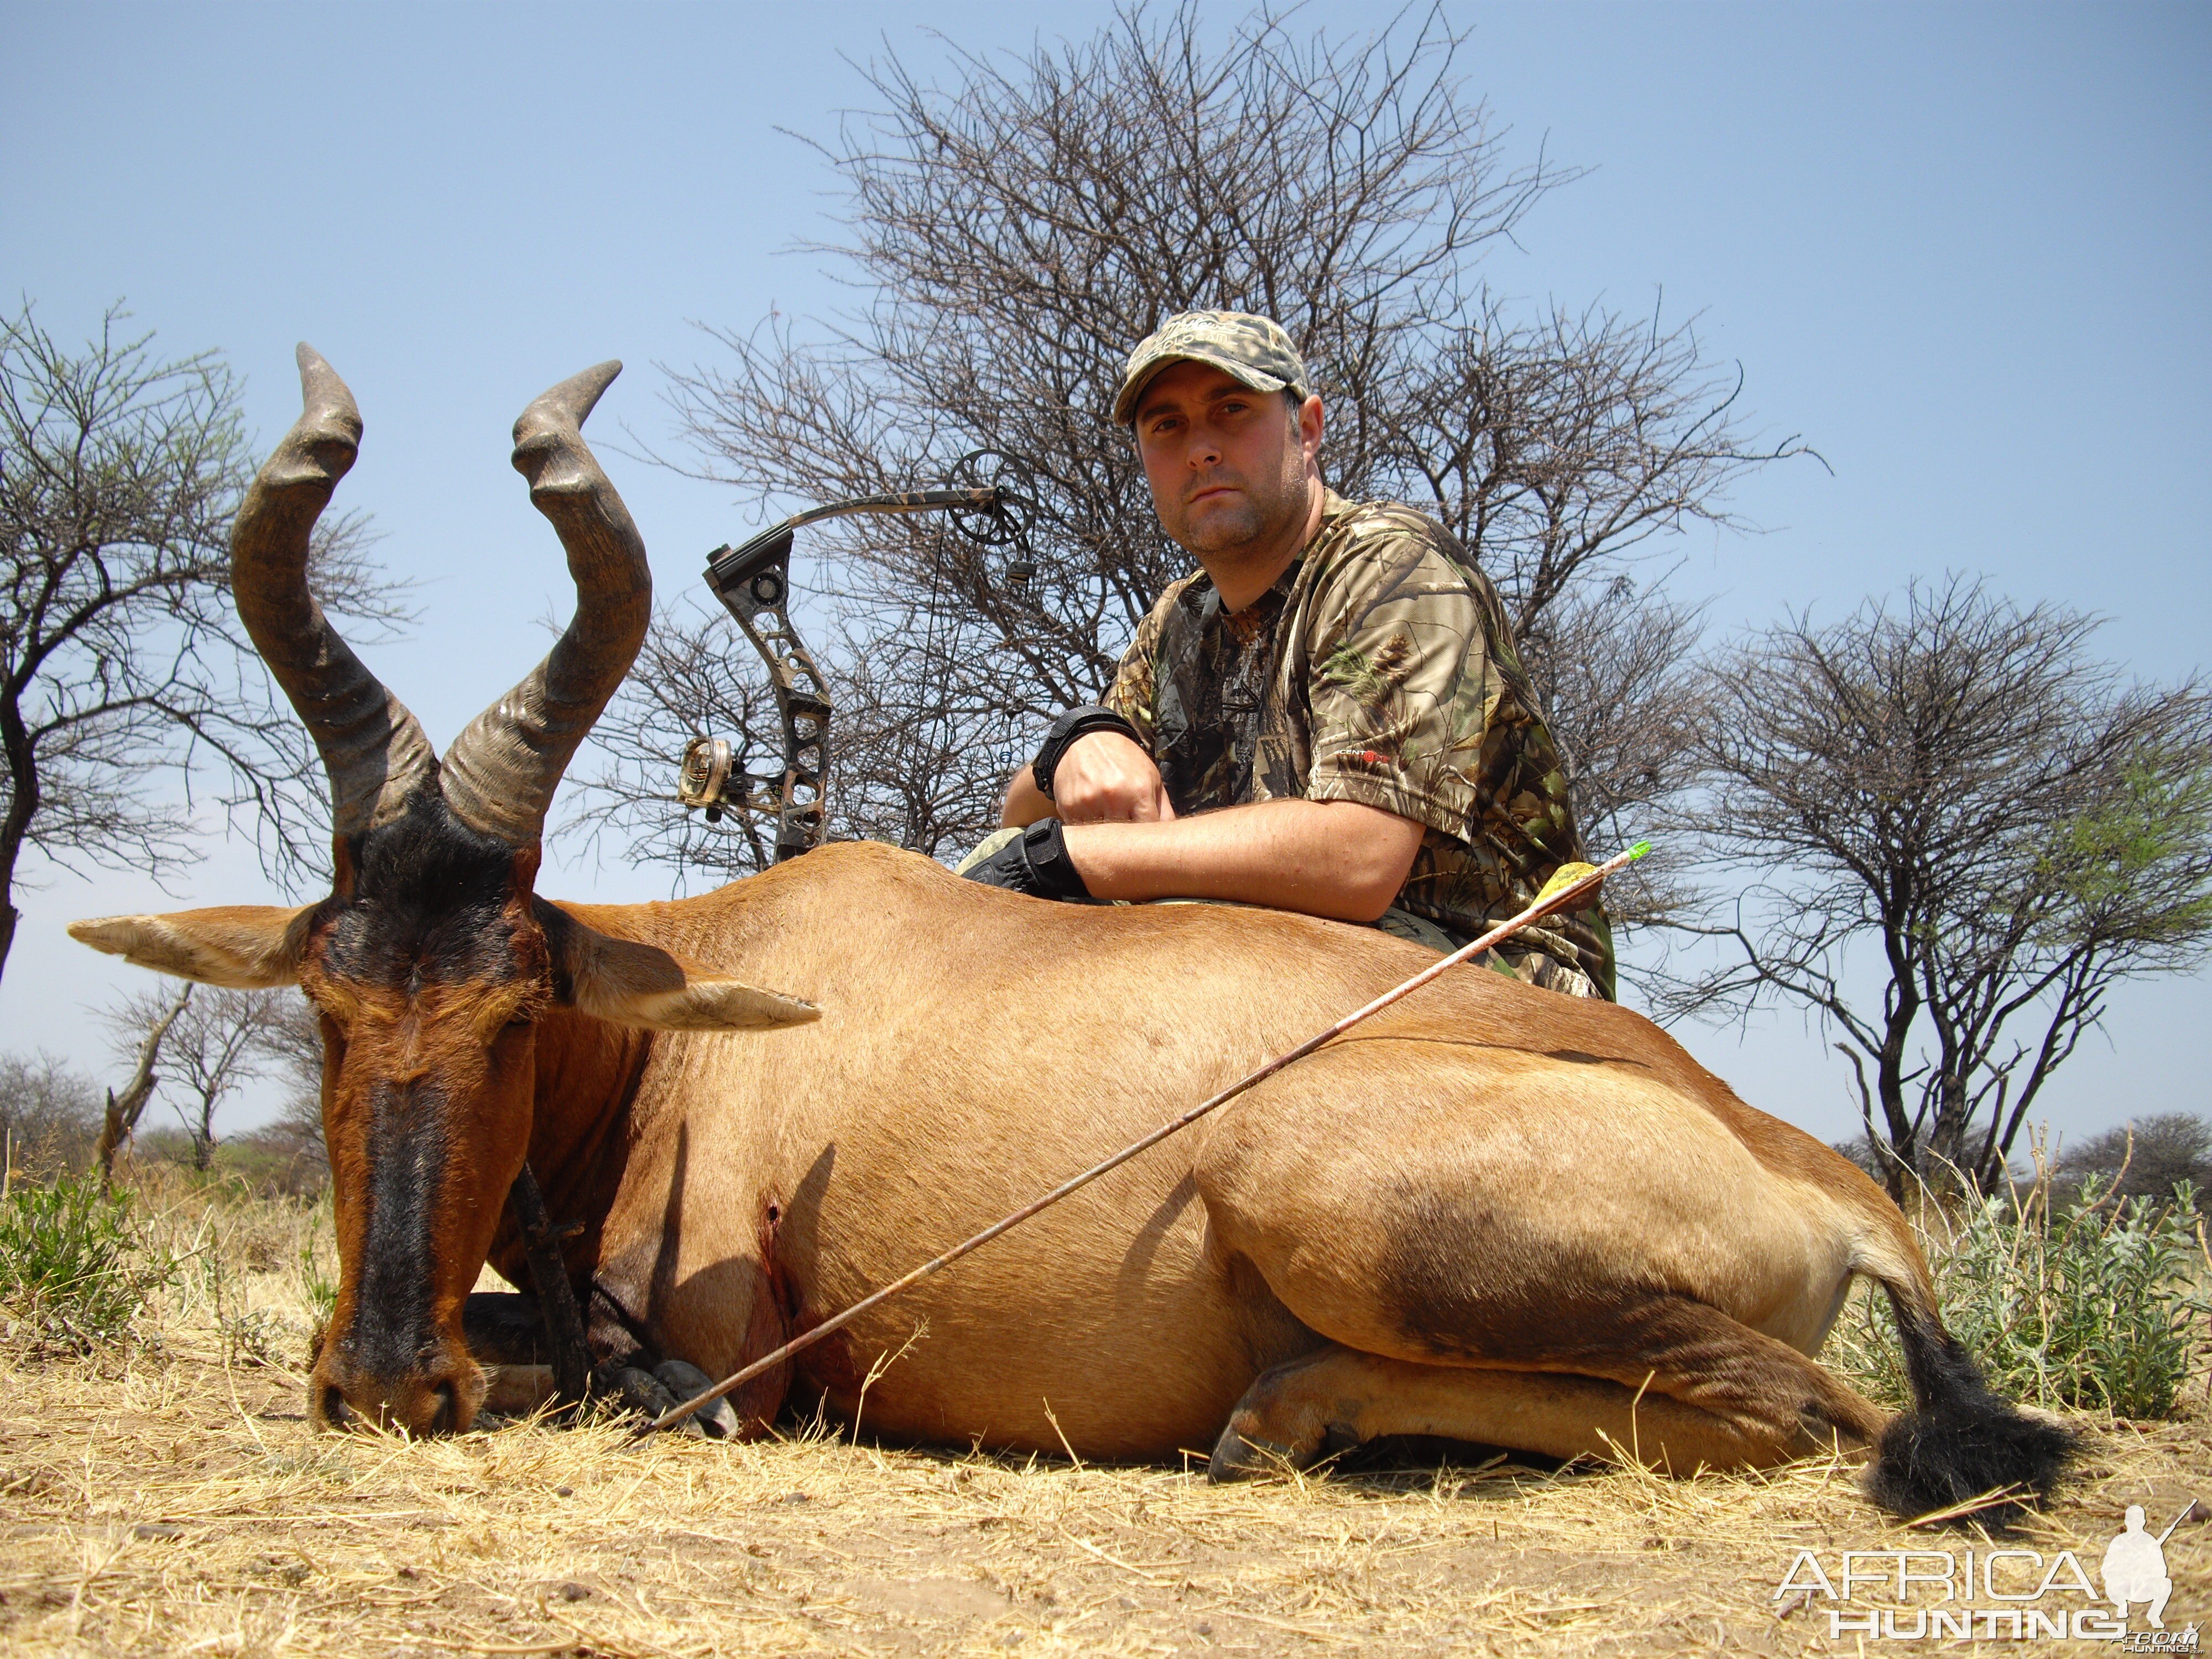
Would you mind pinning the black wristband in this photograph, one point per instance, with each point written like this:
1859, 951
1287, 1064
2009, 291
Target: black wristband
1035, 862
1075, 723
1053, 871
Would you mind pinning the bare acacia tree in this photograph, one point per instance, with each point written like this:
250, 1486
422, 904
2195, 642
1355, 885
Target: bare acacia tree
119, 1120
2145, 1158
215, 1040
291, 1042
1950, 798
126, 684
697, 676
1621, 679
1013, 229
910, 768
48, 1115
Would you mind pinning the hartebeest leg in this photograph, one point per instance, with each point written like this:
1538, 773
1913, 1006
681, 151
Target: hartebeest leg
1728, 1396
1568, 1220
1337, 1398
1672, 1347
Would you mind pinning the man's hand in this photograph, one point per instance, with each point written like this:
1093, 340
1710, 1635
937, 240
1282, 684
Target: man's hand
1103, 778
1124, 841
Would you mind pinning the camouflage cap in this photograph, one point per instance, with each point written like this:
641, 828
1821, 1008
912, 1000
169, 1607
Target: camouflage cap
1253, 349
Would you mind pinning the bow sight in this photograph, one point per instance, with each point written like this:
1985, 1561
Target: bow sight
989, 503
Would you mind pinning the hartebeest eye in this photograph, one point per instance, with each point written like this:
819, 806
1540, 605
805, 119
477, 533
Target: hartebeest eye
507, 1010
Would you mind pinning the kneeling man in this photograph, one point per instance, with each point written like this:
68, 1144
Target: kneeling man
1328, 716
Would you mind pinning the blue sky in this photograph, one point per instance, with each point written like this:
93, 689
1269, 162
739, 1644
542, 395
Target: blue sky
1962, 250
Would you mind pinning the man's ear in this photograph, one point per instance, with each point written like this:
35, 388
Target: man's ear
626, 983
248, 947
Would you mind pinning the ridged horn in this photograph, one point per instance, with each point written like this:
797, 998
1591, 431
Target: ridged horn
500, 775
374, 749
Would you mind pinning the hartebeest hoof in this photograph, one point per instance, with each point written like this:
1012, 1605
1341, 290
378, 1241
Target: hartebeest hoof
1238, 1457
646, 1394
689, 1382
1277, 1426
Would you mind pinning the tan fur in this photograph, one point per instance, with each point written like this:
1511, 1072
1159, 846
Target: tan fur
248, 947
1491, 1208
1337, 1397
977, 1047
635, 984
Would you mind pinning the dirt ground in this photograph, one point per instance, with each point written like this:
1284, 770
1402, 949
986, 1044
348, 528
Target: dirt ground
167, 1497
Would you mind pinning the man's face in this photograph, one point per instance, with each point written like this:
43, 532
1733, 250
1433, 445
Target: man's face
1228, 465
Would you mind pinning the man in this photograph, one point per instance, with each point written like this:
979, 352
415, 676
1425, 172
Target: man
1329, 716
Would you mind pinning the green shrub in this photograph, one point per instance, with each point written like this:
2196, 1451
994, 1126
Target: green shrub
71, 1261
320, 1288
2101, 1306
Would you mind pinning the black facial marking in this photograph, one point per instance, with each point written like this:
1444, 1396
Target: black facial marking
393, 1333
426, 903
430, 906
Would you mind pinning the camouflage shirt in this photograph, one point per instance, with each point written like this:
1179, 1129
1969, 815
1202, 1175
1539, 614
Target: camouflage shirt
1380, 669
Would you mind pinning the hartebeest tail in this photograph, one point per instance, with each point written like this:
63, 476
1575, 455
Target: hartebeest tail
1959, 1441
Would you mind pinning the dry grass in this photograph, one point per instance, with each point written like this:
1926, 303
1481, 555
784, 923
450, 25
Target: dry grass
168, 1498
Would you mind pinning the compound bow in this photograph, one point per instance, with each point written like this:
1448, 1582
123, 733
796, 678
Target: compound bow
990, 504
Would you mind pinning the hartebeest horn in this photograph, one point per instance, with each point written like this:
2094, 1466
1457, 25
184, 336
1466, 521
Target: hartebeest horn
500, 774
371, 747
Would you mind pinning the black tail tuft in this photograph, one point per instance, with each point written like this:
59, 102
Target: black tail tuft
1959, 1441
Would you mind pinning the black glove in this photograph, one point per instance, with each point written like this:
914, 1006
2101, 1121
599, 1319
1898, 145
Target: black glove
1035, 862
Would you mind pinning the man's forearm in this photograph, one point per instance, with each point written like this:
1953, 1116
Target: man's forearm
1025, 803
1326, 858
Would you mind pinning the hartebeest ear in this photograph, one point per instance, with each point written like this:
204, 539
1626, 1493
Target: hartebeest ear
628, 983
249, 947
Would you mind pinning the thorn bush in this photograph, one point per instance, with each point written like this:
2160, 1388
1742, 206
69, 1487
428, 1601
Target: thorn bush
2101, 1306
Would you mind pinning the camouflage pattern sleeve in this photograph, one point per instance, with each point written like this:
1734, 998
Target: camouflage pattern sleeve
1134, 696
1402, 686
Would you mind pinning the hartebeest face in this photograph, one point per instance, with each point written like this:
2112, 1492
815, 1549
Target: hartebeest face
429, 970
433, 957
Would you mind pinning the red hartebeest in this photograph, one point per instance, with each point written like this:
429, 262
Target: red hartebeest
1493, 1214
